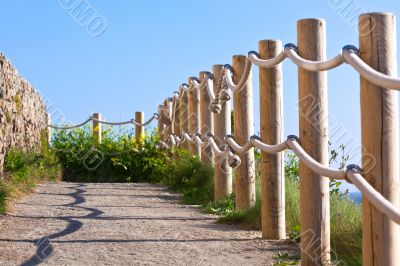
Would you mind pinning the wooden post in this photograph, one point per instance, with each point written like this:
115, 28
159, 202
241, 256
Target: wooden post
194, 119
245, 189
160, 125
206, 122
176, 116
313, 127
183, 117
379, 135
271, 129
48, 129
139, 130
96, 130
222, 127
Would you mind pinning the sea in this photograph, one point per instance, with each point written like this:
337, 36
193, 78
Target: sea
355, 196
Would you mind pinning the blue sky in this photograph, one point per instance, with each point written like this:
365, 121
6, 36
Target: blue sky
150, 47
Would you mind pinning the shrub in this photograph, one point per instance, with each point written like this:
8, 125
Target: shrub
23, 170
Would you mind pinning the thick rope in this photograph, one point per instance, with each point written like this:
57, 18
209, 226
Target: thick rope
351, 174
72, 127
132, 121
349, 55
243, 80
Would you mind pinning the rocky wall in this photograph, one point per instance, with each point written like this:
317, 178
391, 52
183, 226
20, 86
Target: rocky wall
23, 116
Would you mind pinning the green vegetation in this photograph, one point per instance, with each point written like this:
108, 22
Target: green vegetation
23, 170
119, 158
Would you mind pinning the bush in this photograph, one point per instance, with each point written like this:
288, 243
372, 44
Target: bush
23, 170
119, 158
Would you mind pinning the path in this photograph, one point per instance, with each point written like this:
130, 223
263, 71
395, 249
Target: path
122, 224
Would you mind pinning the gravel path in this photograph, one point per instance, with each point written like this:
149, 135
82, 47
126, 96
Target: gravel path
122, 224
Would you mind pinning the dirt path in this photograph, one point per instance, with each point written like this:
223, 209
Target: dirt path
122, 224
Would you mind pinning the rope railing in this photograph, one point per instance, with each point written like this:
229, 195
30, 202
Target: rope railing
292, 143
91, 118
349, 54
311, 151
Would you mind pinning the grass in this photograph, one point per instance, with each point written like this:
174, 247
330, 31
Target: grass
345, 217
23, 171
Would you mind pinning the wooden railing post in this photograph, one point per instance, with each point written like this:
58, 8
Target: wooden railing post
183, 116
313, 128
96, 130
139, 130
194, 119
379, 138
222, 127
206, 122
243, 130
48, 129
271, 129
176, 116
160, 126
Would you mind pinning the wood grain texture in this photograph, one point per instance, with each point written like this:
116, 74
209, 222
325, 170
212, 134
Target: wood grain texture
96, 130
139, 130
313, 127
243, 130
271, 130
160, 126
176, 116
194, 119
183, 117
222, 127
206, 122
379, 126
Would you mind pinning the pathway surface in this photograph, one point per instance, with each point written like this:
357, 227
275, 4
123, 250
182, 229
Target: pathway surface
122, 224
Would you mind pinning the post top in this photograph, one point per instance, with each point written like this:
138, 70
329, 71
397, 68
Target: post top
311, 20
269, 43
239, 56
377, 14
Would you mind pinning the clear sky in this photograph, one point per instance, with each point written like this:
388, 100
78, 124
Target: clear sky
131, 55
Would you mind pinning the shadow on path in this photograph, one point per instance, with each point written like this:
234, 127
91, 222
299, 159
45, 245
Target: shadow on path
44, 247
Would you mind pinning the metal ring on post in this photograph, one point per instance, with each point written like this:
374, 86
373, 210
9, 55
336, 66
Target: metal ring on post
293, 137
354, 168
255, 137
291, 46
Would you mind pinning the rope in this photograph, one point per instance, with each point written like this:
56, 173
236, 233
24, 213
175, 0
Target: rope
349, 54
379, 201
74, 126
351, 57
132, 121
243, 80
351, 174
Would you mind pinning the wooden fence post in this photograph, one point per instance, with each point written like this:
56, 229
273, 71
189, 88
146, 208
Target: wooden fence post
194, 119
206, 122
222, 127
379, 136
139, 130
176, 116
245, 189
271, 129
96, 130
48, 129
160, 125
313, 128
183, 116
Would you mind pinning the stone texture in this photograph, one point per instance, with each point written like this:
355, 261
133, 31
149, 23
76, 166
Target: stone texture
23, 115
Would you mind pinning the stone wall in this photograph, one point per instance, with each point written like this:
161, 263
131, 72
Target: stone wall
23, 116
